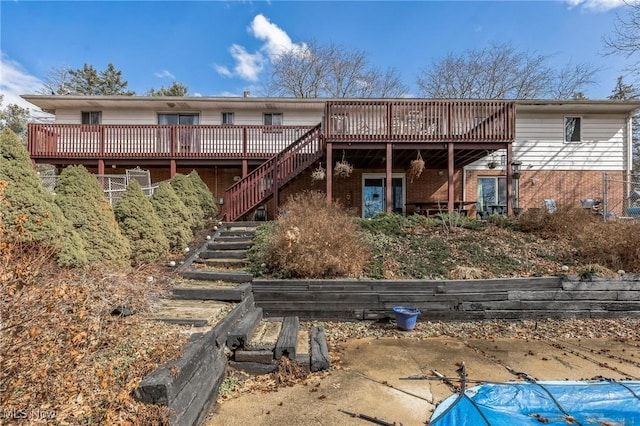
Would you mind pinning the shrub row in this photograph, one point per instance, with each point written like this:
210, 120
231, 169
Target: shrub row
81, 228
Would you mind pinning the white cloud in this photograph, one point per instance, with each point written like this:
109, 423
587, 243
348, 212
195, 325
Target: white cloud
165, 74
249, 65
16, 81
599, 5
276, 40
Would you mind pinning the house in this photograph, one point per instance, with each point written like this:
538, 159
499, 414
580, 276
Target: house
480, 156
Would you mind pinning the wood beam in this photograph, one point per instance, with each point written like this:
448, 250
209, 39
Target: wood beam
509, 181
173, 168
245, 168
100, 167
329, 176
389, 187
450, 182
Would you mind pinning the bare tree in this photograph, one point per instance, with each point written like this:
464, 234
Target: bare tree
625, 39
330, 71
56, 82
501, 72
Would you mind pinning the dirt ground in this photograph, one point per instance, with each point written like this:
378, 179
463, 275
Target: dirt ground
368, 376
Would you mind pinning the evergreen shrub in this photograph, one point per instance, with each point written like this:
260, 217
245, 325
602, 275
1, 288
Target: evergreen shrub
174, 215
141, 225
30, 207
81, 199
205, 197
187, 192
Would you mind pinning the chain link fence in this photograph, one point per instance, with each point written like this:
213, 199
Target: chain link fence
621, 196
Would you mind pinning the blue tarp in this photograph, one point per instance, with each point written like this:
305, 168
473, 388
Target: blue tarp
553, 403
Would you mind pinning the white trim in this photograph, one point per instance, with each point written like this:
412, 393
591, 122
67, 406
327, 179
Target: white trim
383, 176
564, 128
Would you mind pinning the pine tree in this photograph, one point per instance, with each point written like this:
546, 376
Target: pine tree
88, 81
174, 215
29, 206
141, 225
624, 91
187, 192
82, 201
176, 89
205, 197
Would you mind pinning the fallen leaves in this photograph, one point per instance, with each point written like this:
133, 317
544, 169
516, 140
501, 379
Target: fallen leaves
61, 349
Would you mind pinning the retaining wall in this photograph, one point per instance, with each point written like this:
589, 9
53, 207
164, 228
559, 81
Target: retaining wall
505, 298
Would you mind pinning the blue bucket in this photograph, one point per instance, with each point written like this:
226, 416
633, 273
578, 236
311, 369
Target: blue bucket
406, 317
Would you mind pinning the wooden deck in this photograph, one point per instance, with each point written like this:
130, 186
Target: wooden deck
108, 141
355, 122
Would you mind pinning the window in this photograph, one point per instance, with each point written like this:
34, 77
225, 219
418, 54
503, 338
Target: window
273, 119
227, 118
339, 124
492, 195
572, 129
91, 117
178, 118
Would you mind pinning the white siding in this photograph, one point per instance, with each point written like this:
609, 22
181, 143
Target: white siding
213, 116
540, 143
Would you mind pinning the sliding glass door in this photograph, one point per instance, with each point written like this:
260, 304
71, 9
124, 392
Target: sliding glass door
374, 193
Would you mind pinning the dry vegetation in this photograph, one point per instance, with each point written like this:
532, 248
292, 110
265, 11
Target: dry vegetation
313, 240
570, 241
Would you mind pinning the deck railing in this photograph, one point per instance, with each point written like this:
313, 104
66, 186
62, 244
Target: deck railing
159, 141
420, 121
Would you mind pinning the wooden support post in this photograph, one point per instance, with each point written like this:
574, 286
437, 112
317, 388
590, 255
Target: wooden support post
509, 180
245, 168
389, 176
450, 182
329, 171
276, 183
100, 167
173, 168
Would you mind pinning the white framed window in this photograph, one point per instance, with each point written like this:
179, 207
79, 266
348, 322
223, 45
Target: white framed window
572, 129
179, 118
492, 195
227, 118
272, 118
91, 117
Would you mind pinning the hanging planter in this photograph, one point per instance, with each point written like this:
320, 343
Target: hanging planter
417, 167
319, 174
343, 168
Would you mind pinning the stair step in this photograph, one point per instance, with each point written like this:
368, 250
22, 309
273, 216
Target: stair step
265, 336
238, 233
198, 313
320, 359
232, 239
288, 338
223, 254
303, 349
211, 290
228, 276
242, 245
243, 330
224, 263
255, 368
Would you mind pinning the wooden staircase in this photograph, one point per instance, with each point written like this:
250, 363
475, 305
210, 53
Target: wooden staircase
263, 182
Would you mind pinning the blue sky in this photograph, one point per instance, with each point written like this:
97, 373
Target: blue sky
222, 48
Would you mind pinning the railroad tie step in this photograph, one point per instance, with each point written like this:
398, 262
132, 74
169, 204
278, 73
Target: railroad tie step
228, 276
288, 338
241, 333
229, 245
211, 290
320, 359
223, 254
